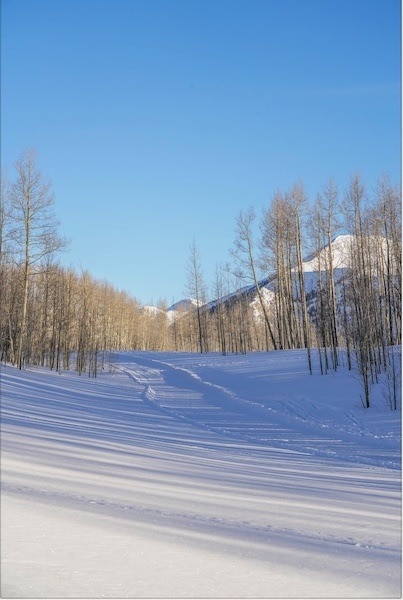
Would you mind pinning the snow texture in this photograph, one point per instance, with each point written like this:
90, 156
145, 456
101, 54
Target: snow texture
208, 476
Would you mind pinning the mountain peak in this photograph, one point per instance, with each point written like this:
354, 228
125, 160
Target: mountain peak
341, 254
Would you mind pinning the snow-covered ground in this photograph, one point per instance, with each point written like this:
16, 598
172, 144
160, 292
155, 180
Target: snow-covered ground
207, 476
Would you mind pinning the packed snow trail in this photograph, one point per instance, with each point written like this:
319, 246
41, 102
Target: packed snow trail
108, 490
273, 408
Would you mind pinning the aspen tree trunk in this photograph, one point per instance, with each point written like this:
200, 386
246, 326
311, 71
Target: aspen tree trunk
196, 287
243, 253
306, 333
21, 329
219, 312
323, 226
361, 293
34, 234
330, 206
278, 242
321, 313
297, 199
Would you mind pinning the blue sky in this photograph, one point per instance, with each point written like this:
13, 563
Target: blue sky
159, 120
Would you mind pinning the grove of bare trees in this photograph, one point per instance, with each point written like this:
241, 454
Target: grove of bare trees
263, 299
350, 310
50, 314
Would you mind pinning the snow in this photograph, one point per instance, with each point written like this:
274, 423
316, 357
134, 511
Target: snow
153, 310
180, 308
181, 475
184, 305
341, 255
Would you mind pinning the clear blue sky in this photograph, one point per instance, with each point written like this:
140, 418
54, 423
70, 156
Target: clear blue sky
159, 120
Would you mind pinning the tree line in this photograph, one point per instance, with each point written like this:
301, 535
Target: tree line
54, 316
51, 315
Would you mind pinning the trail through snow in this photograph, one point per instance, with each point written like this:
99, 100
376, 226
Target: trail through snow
181, 475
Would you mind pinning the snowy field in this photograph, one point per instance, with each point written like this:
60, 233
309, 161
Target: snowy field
185, 475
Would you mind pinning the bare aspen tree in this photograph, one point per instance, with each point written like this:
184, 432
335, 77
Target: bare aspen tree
69, 298
82, 342
44, 315
5, 269
360, 284
387, 227
321, 316
297, 200
197, 289
34, 229
386, 223
323, 228
63, 317
278, 253
4, 215
229, 312
243, 253
330, 206
219, 310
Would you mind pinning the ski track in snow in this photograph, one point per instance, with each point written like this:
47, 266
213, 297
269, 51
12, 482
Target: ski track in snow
295, 425
241, 470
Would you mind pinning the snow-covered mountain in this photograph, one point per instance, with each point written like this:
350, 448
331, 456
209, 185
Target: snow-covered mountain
341, 254
180, 308
152, 310
183, 305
